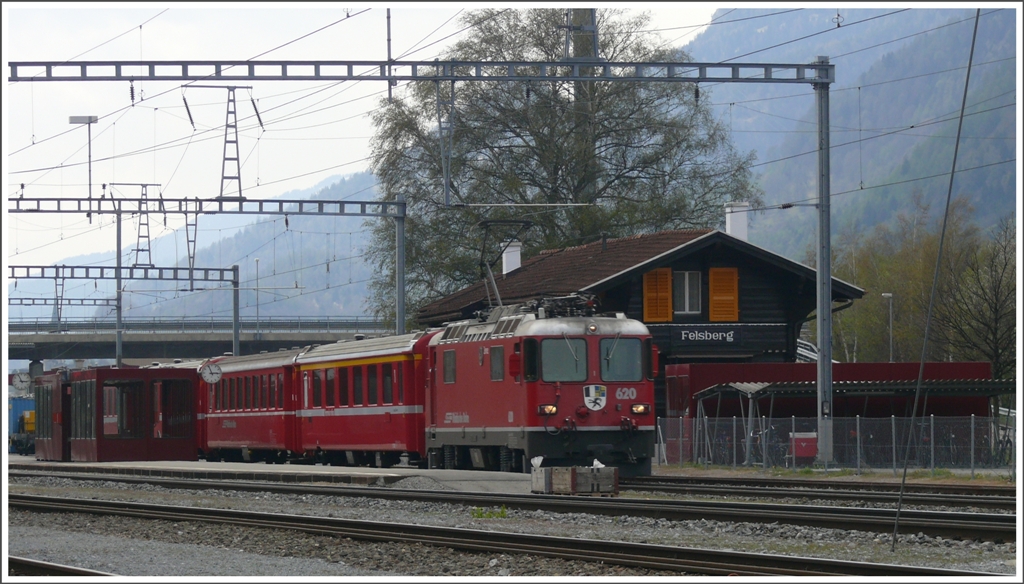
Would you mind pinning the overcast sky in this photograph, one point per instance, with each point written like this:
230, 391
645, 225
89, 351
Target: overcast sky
312, 130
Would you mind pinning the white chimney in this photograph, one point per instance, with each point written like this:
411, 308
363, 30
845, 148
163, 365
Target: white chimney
510, 258
736, 219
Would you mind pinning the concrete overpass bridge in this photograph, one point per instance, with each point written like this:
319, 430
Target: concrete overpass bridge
169, 338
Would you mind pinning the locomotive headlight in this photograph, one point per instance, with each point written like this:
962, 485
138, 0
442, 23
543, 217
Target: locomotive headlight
547, 409
641, 409
591, 328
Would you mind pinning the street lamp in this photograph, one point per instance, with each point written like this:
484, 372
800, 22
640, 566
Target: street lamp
88, 121
889, 296
257, 299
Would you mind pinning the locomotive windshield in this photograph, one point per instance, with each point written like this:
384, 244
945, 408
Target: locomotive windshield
621, 359
563, 359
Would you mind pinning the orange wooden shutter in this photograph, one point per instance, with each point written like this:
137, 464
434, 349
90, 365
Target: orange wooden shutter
658, 295
723, 292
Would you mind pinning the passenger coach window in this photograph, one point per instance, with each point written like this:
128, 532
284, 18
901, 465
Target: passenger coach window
387, 376
357, 386
317, 385
329, 389
371, 385
247, 404
273, 391
497, 363
563, 359
343, 386
265, 401
621, 360
280, 390
401, 389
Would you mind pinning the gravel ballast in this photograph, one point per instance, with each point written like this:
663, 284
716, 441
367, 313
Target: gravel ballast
136, 547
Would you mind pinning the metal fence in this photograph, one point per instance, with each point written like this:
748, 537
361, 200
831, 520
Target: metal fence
858, 443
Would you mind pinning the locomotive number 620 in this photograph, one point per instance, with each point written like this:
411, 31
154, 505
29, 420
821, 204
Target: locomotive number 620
625, 393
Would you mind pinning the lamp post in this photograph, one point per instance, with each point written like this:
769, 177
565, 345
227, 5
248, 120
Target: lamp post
88, 121
889, 296
257, 299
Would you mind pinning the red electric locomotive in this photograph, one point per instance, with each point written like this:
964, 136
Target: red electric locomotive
547, 379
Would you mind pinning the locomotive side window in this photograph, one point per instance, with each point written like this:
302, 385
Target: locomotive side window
343, 386
530, 359
387, 380
563, 359
329, 389
357, 386
317, 387
621, 359
371, 385
497, 363
449, 366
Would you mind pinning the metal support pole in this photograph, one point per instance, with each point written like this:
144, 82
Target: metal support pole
931, 441
733, 442
972, 446
257, 299
235, 326
894, 446
858, 444
764, 445
824, 275
400, 268
118, 343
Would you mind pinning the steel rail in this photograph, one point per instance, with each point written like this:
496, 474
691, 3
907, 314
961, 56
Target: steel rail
29, 567
656, 557
985, 526
798, 491
894, 487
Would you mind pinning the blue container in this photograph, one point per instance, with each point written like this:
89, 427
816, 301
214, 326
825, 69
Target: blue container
16, 406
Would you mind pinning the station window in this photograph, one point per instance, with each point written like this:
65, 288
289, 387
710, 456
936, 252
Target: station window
129, 418
357, 386
497, 363
343, 386
449, 366
387, 382
44, 411
172, 404
686, 292
329, 389
371, 385
317, 387
82, 403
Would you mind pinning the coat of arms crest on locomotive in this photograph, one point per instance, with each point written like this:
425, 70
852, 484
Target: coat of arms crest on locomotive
595, 396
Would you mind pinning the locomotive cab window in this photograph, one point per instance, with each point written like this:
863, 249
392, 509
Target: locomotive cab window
621, 359
563, 359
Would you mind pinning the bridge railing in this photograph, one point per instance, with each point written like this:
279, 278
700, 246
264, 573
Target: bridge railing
203, 324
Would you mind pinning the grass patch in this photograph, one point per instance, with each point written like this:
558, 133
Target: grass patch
479, 513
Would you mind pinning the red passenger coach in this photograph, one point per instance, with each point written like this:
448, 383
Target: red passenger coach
109, 414
362, 401
248, 408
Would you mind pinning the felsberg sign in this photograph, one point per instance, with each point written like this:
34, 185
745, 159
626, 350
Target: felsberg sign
709, 336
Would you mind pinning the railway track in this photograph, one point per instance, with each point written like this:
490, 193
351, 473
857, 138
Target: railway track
17, 566
655, 557
885, 493
999, 527
893, 487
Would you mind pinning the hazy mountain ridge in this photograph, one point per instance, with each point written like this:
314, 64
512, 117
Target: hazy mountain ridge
868, 106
